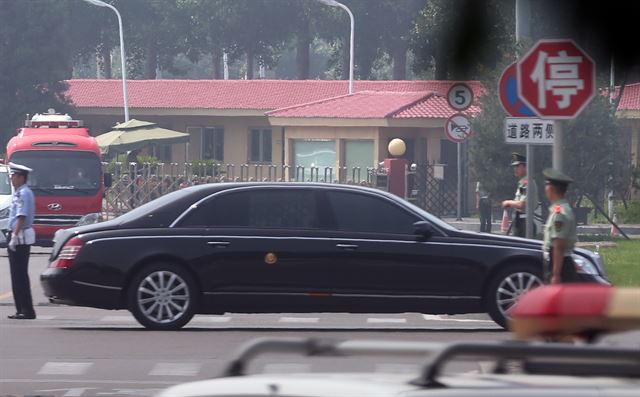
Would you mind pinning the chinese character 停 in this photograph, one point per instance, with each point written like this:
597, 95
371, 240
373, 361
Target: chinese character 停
562, 79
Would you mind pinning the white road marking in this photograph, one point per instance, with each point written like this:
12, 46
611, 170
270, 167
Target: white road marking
117, 319
375, 320
306, 320
45, 317
397, 368
64, 368
435, 317
286, 368
175, 369
213, 319
72, 392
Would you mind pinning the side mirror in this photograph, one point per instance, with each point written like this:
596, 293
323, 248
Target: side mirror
423, 229
108, 179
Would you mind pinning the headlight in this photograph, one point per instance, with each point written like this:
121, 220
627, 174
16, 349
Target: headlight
90, 219
4, 213
584, 265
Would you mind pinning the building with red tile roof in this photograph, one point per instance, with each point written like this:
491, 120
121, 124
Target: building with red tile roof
274, 121
628, 112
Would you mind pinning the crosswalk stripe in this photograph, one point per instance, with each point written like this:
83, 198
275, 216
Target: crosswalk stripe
298, 320
175, 369
213, 319
116, 319
435, 317
64, 368
374, 320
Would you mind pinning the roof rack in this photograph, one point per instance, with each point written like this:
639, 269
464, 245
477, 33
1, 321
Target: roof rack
324, 347
561, 359
536, 358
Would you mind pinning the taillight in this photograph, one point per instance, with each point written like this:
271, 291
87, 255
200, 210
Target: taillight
68, 253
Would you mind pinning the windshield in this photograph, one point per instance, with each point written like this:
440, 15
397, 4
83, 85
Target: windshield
152, 205
61, 172
5, 183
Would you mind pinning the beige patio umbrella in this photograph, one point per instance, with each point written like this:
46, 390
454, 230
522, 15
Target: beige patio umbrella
136, 134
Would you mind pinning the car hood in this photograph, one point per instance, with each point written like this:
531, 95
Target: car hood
496, 239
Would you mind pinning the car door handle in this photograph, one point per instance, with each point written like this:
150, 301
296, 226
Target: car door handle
219, 244
347, 246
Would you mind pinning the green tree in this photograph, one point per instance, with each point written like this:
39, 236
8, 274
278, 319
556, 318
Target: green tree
36, 50
461, 39
594, 153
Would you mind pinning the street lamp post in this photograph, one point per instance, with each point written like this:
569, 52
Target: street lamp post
100, 3
334, 3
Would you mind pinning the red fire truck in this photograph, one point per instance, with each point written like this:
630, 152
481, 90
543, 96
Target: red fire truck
67, 178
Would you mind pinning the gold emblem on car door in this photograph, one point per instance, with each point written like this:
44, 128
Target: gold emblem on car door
270, 258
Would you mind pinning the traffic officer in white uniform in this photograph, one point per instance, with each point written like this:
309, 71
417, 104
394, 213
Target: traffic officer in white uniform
20, 237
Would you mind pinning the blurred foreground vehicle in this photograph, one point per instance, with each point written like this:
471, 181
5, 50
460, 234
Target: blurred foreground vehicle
291, 247
583, 311
511, 368
518, 369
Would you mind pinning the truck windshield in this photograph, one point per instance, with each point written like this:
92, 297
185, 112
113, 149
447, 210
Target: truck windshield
61, 172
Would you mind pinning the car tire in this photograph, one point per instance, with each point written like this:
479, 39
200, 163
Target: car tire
506, 287
163, 296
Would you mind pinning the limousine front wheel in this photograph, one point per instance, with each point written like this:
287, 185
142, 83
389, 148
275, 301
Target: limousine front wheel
507, 287
163, 297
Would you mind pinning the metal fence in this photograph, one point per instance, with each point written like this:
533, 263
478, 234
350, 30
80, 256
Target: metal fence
135, 184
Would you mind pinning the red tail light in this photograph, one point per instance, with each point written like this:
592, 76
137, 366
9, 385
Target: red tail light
68, 253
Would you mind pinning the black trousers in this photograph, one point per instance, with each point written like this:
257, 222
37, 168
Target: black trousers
19, 264
568, 272
520, 226
485, 215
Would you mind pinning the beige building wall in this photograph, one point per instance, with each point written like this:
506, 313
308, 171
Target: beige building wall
236, 134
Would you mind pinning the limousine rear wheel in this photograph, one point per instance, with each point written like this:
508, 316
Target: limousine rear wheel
163, 297
506, 288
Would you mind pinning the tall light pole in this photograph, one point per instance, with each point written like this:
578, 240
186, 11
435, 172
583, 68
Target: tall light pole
334, 3
100, 3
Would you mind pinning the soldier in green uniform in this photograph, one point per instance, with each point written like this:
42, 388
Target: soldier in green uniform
559, 231
519, 203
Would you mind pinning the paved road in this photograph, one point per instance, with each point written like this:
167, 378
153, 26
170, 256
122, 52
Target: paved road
71, 351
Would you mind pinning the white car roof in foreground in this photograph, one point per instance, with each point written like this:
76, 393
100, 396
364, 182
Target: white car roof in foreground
298, 385
390, 385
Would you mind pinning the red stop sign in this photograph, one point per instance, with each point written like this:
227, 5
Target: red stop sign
556, 79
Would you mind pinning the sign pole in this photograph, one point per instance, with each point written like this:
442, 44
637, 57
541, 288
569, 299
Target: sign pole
557, 146
459, 198
532, 194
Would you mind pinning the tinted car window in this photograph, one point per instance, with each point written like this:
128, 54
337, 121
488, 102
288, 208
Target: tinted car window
269, 208
355, 212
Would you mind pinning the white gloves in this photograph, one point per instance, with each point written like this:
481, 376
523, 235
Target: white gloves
12, 243
16, 238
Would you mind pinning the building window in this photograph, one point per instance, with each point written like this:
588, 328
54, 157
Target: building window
213, 143
317, 155
358, 154
260, 145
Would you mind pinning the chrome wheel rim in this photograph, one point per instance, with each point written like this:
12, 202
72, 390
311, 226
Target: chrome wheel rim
163, 297
512, 288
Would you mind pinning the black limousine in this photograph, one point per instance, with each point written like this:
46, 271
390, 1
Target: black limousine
290, 247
